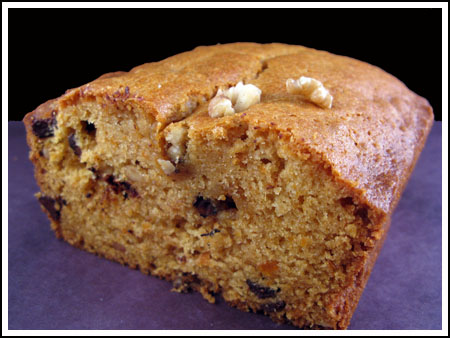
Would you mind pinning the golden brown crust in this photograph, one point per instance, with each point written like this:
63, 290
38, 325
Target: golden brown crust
369, 140
350, 297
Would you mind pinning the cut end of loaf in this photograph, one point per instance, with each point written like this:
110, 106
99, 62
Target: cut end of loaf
272, 231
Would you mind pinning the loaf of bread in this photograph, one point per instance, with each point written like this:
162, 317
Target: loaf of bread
266, 174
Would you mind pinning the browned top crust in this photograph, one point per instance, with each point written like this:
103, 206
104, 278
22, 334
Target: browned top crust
370, 137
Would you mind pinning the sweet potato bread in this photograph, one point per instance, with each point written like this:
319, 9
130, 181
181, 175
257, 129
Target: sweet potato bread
264, 173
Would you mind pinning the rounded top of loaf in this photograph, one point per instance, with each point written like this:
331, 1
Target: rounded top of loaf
369, 138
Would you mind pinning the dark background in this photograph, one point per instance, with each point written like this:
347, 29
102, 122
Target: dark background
51, 50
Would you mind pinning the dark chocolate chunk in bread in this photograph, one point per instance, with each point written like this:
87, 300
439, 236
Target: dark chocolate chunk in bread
260, 291
43, 128
73, 144
53, 206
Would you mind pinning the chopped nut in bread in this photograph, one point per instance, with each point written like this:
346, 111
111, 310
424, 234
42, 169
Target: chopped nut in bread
220, 106
234, 100
311, 89
176, 137
166, 166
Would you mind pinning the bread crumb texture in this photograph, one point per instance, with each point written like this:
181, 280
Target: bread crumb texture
205, 170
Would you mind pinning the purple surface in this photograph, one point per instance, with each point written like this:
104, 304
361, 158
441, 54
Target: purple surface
55, 286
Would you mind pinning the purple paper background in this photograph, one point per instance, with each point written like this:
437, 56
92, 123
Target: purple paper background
52, 285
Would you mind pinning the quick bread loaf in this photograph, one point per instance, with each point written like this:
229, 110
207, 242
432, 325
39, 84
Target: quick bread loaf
267, 174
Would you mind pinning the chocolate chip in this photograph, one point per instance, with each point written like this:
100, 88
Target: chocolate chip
213, 231
260, 291
73, 144
53, 206
363, 214
43, 128
346, 201
119, 187
88, 195
209, 207
273, 307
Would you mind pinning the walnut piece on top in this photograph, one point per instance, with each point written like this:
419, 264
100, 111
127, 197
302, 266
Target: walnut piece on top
311, 89
234, 100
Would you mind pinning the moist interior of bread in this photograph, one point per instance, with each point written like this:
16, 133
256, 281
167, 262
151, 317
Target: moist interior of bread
243, 216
